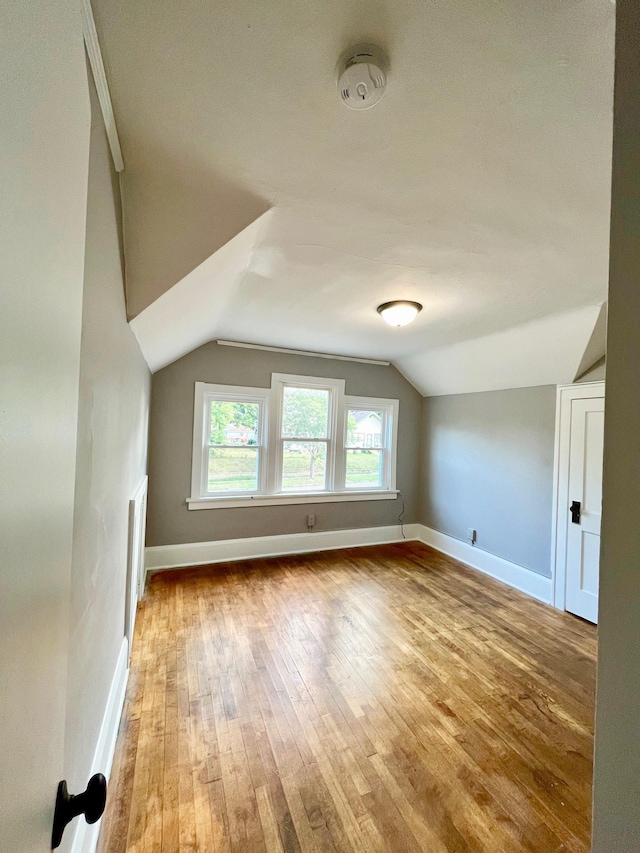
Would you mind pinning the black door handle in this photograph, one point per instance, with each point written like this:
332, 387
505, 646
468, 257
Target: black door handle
574, 509
90, 803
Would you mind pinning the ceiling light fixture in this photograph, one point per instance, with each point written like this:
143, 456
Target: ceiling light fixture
399, 312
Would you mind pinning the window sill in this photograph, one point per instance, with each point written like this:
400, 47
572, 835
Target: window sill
288, 499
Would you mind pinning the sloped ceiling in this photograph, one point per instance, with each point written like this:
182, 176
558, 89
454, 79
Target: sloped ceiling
479, 186
596, 348
175, 323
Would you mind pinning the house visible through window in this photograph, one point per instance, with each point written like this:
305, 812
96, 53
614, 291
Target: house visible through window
365, 449
301, 440
234, 446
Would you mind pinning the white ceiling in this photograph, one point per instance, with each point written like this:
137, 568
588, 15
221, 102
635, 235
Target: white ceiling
479, 186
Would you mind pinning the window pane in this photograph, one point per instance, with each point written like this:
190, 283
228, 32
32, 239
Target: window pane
305, 413
233, 469
304, 465
234, 423
364, 468
364, 428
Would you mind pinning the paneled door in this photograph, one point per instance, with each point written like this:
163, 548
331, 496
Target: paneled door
580, 503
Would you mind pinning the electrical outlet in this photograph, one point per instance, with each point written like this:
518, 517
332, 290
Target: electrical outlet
472, 535
311, 520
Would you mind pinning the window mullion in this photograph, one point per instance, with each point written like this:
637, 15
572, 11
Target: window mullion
304, 439
274, 466
340, 437
204, 468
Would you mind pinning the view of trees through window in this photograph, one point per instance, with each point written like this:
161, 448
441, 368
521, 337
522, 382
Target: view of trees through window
305, 416
234, 451
234, 423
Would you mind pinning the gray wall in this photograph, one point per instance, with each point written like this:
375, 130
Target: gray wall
171, 434
110, 463
617, 753
487, 463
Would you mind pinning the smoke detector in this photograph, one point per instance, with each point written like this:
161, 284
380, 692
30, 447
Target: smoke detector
362, 76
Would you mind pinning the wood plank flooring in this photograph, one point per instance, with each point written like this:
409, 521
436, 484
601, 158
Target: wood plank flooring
372, 699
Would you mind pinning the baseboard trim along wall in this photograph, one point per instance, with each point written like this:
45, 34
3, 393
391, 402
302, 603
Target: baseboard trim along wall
86, 837
531, 583
203, 553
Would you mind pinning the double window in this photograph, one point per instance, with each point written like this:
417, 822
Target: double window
302, 440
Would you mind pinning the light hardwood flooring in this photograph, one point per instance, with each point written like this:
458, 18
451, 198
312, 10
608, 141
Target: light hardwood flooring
372, 699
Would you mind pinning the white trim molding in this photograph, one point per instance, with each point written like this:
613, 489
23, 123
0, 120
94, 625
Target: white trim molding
518, 577
227, 550
86, 837
163, 557
292, 498
135, 557
287, 351
100, 79
566, 394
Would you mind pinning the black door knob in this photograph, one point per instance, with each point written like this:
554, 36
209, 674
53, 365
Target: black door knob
90, 803
574, 509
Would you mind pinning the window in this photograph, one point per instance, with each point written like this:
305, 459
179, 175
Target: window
300, 441
366, 446
229, 432
305, 438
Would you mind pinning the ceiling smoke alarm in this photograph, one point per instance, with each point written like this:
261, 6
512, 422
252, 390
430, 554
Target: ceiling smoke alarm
362, 76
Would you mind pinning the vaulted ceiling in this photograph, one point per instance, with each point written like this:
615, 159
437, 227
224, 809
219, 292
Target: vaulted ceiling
258, 208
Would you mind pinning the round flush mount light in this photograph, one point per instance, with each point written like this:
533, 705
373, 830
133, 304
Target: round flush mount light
399, 312
362, 76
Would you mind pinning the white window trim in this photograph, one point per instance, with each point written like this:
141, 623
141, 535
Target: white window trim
227, 502
204, 390
269, 479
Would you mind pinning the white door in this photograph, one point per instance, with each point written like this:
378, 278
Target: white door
584, 507
44, 142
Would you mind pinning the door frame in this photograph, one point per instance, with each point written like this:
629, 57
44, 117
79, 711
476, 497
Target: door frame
565, 395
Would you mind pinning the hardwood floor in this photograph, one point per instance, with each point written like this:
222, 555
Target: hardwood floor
372, 699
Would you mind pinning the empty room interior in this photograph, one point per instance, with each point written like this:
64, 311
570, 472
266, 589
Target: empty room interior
320, 419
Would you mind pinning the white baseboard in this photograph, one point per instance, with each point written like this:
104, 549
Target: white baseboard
513, 575
226, 550
86, 837
203, 553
